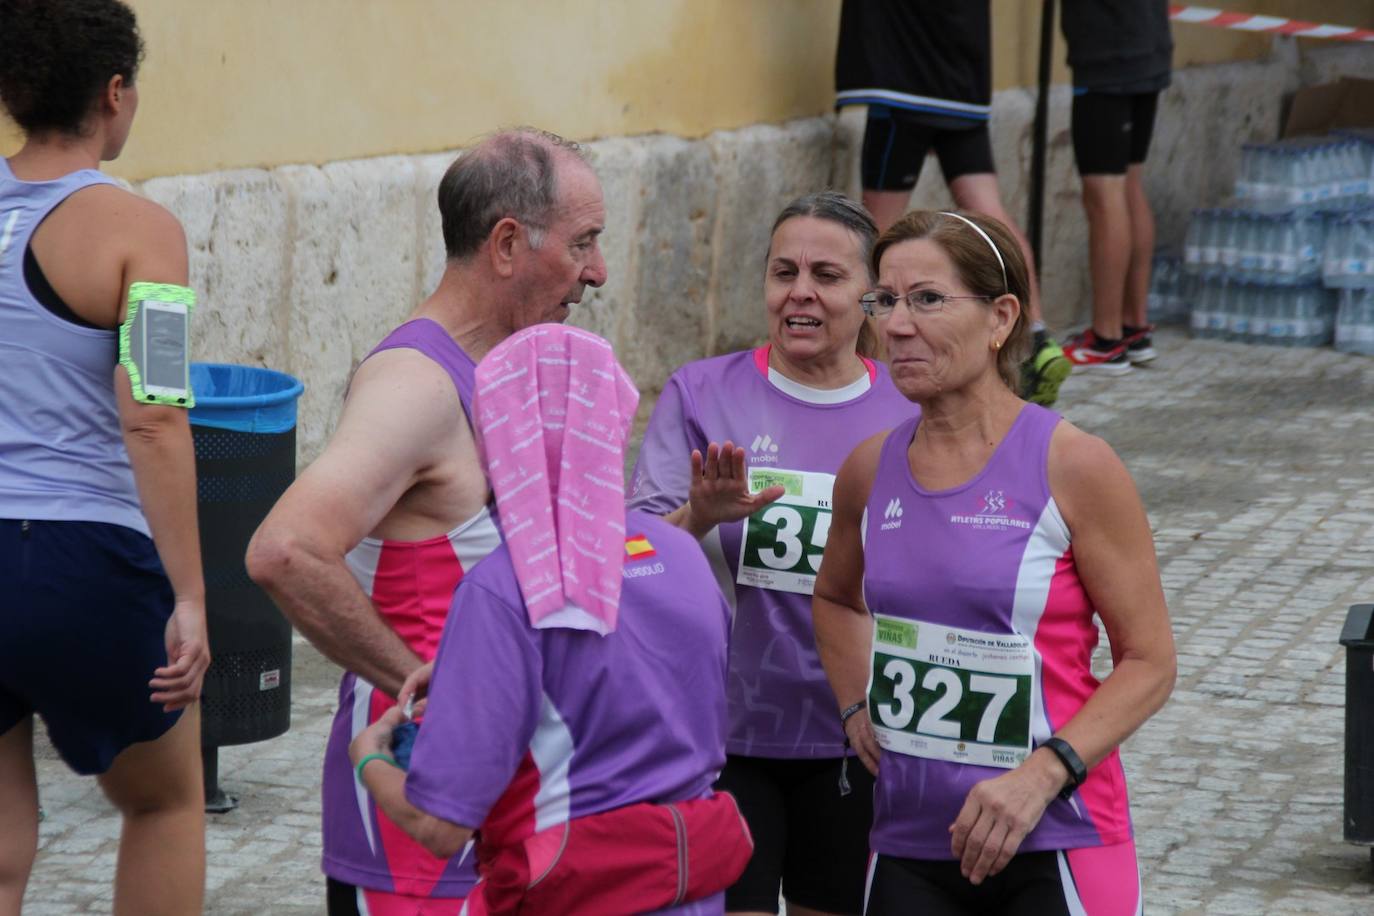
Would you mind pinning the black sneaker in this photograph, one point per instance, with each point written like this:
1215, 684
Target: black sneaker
1139, 344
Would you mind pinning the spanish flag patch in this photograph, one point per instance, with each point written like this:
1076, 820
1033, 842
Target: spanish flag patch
637, 547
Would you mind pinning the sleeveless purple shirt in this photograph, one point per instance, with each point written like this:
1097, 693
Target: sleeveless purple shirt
976, 577
411, 583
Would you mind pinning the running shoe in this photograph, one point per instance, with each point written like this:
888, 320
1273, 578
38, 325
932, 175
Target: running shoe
1044, 372
1089, 354
1139, 344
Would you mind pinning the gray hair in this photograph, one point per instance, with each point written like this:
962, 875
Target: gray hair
512, 173
836, 208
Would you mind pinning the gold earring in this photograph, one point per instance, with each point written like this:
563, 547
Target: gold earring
997, 345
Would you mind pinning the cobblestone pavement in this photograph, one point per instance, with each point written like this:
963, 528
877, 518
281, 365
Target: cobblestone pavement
1255, 465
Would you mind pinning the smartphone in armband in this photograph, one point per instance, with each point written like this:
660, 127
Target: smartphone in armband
154, 343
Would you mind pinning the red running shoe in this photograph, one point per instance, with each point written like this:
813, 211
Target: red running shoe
1088, 354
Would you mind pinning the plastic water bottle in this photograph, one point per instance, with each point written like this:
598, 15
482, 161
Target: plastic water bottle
1248, 254
1311, 241
1355, 321
1208, 318
1281, 314
1333, 253
1212, 240
1315, 316
1197, 309
1192, 243
1260, 315
1238, 312
1359, 259
1228, 240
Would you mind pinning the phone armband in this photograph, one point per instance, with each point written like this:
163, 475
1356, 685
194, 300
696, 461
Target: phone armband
154, 343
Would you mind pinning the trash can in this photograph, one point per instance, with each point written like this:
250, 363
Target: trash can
244, 428
1358, 639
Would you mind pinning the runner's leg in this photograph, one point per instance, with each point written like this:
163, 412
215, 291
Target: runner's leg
158, 787
18, 814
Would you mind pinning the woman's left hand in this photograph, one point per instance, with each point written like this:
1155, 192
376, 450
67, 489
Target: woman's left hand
999, 812
376, 738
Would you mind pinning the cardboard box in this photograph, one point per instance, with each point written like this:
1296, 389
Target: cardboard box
1349, 102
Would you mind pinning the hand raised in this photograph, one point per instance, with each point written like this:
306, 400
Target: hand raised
720, 489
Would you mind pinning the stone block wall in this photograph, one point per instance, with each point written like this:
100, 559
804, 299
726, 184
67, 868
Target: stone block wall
304, 268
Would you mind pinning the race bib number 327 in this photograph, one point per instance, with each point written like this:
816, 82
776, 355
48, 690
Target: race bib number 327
949, 694
782, 543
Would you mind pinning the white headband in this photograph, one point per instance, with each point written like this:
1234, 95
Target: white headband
991, 244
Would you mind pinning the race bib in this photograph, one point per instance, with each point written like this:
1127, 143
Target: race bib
949, 694
782, 543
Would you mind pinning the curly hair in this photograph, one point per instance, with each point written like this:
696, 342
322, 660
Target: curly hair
56, 57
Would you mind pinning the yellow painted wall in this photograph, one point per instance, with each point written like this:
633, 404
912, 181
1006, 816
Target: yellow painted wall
238, 83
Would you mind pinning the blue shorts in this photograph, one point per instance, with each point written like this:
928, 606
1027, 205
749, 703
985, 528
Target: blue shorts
83, 615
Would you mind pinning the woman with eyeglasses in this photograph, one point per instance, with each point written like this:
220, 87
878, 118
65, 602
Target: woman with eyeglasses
787, 414
969, 551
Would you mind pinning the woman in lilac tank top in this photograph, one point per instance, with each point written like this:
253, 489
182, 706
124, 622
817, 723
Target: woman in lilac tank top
102, 623
796, 407
970, 549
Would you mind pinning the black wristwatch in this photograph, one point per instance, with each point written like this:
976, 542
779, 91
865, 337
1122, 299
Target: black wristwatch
1072, 762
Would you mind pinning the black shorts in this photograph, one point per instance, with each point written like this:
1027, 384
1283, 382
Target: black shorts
808, 839
1111, 132
1093, 880
82, 627
896, 143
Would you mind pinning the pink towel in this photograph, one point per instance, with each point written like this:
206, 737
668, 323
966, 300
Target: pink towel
553, 409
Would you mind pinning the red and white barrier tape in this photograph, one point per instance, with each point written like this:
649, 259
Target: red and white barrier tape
1248, 22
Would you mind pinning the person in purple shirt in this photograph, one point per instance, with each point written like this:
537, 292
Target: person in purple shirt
584, 757
973, 550
797, 406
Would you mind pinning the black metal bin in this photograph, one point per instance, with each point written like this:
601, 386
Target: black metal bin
244, 428
1358, 639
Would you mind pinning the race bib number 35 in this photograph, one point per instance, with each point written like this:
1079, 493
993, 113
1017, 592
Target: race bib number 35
949, 694
782, 543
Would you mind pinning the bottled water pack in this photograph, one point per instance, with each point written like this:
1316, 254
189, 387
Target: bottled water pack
1269, 313
1276, 245
1355, 321
1348, 260
1167, 302
1332, 172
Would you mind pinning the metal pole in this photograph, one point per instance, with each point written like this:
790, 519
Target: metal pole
1040, 136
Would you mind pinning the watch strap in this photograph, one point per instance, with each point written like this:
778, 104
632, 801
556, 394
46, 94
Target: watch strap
1072, 762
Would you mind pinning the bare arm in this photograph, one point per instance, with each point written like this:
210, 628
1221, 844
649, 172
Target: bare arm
386, 784
396, 424
844, 628
158, 440
1114, 553
1115, 559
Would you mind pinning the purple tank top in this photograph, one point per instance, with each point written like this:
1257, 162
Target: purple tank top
430, 338
411, 583
62, 453
983, 644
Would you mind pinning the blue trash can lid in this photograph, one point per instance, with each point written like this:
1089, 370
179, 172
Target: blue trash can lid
244, 398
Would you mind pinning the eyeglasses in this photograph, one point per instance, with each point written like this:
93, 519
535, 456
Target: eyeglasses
880, 303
